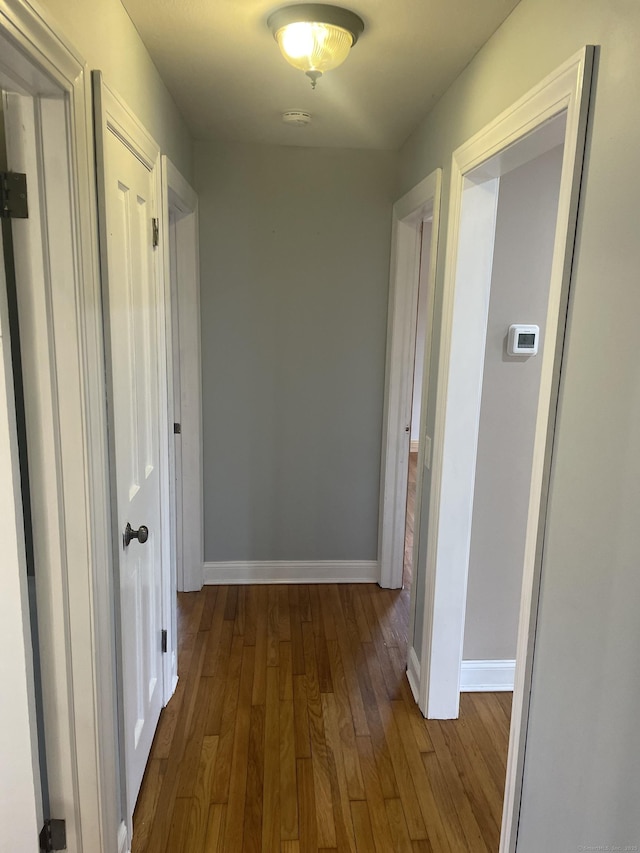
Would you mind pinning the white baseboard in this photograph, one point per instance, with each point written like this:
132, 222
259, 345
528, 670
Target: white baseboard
482, 676
123, 846
414, 446
273, 571
413, 674
174, 674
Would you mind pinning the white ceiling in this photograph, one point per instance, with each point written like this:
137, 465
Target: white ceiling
224, 69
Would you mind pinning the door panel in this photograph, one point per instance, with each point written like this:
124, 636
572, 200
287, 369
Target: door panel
133, 316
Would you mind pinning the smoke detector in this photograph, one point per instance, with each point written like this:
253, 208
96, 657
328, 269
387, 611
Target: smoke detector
297, 118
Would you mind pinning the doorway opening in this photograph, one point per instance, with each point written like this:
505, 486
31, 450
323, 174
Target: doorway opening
411, 291
525, 219
424, 312
547, 122
406, 446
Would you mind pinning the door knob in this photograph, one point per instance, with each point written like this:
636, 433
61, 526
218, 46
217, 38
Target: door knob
141, 534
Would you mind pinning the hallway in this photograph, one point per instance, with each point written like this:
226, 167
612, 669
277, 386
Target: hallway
293, 729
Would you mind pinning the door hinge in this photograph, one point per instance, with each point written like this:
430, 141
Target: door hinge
156, 232
13, 195
53, 836
177, 429
163, 640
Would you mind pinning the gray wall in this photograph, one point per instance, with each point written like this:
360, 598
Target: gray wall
525, 231
581, 782
295, 271
107, 40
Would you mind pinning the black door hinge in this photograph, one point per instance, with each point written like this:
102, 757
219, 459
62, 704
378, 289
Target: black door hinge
13, 195
53, 836
163, 640
156, 232
177, 429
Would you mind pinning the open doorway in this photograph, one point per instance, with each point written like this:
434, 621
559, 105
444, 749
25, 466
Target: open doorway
413, 251
545, 130
424, 312
526, 214
406, 447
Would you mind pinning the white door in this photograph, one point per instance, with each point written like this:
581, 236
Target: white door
20, 798
133, 297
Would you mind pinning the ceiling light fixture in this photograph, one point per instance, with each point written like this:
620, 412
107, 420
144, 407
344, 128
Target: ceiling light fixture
315, 37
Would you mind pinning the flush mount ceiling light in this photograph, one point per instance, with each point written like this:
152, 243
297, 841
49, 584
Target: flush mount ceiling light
315, 37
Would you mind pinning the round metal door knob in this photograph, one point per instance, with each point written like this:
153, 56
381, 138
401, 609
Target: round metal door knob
141, 534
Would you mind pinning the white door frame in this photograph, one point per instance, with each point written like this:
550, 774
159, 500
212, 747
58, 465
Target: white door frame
63, 367
567, 91
180, 204
409, 212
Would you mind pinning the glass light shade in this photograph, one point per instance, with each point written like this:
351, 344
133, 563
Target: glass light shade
314, 46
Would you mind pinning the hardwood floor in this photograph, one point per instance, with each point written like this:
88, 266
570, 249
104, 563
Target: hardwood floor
293, 729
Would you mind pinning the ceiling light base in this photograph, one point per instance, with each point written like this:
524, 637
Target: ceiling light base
317, 12
314, 76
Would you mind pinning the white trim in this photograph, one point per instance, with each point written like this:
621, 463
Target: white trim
409, 212
182, 195
414, 445
174, 672
449, 518
123, 846
578, 70
482, 676
413, 673
566, 89
182, 295
182, 201
290, 571
65, 379
169, 611
475, 237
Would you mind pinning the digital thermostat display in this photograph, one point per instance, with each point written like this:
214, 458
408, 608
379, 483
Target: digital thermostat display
523, 340
526, 340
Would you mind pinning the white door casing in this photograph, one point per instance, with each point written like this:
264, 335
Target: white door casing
133, 291
182, 272
409, 212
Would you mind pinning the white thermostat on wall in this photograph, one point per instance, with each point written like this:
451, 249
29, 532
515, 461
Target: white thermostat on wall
523, 340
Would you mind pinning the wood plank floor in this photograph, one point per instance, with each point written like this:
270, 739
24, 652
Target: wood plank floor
293, 729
